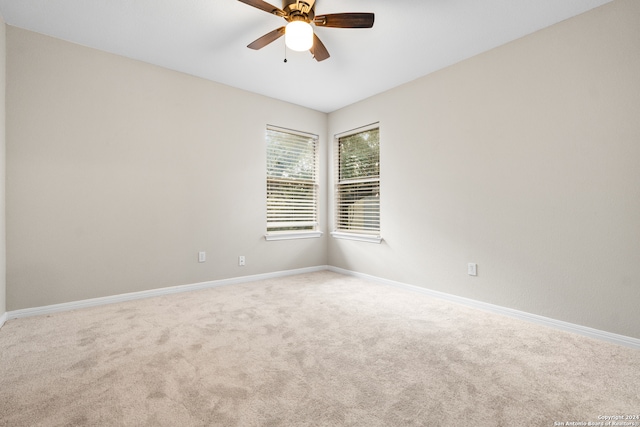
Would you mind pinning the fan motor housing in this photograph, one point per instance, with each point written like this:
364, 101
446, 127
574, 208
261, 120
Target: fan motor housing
297, 10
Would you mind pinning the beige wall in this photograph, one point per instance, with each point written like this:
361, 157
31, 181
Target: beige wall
3, 80
525, 160
119, 172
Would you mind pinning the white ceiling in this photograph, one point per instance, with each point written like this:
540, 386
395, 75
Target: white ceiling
208, 38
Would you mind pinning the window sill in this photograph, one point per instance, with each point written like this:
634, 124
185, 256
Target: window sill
358, 237
293, 235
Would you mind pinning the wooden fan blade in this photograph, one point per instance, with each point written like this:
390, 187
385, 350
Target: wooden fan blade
266, 39
318, 50
345, 20
263, 5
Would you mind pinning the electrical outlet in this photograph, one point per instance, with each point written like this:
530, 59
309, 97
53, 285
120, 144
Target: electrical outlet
202, 256
472, 269
241, 260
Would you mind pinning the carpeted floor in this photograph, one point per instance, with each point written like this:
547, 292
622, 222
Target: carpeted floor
318, 349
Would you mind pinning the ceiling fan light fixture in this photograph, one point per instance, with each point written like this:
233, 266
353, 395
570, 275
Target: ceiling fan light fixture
298, 36
298, 33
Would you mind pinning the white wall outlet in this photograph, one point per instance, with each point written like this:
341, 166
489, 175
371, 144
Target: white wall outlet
241, 260
472, 269
202, 256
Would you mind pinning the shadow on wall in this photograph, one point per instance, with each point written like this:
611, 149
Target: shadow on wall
296, 252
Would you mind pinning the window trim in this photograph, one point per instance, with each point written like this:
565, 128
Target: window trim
370, 238
300, 234
343, 234
290, 235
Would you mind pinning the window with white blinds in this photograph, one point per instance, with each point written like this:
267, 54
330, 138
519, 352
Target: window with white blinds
292, 182
357, 193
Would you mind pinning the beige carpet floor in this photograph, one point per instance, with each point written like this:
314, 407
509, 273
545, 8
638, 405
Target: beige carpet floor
318, 349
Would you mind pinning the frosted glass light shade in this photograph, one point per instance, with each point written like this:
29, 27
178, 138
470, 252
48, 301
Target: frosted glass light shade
298, 35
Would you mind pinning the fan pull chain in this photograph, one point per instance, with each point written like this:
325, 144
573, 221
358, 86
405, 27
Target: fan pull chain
285, 53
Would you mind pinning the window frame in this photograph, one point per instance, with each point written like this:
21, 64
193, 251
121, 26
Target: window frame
314, 232
340, 233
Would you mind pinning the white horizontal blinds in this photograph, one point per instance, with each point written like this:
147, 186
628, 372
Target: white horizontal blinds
358, 187
292, 188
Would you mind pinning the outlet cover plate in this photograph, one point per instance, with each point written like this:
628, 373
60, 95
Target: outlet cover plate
472, 269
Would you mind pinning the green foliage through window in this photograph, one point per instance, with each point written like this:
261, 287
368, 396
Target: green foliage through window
358, 186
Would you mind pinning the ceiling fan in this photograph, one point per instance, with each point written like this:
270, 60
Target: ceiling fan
299, 35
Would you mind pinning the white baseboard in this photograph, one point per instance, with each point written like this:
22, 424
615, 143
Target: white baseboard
534, 318
93, 302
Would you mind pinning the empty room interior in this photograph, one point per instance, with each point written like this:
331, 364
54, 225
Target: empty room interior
427, 218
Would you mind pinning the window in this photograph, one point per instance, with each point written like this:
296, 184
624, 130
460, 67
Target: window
357, 192
292, 184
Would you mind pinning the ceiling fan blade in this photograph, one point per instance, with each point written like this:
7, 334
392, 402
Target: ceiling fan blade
318, 50
266, 39
263, 5
345, 20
